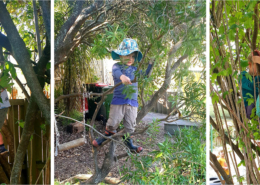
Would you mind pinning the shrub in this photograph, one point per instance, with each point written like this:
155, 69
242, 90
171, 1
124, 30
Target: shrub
180, 159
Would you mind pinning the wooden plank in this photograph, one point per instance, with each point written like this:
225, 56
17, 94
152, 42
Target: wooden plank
33, 170
17, 102
37, 150
12, 118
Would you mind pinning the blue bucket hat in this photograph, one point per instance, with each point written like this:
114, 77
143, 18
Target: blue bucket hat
127, 47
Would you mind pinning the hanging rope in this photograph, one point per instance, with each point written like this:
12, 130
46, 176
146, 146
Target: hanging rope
84, 117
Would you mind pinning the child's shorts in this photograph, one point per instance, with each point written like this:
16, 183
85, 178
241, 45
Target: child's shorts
118, 112
3, 113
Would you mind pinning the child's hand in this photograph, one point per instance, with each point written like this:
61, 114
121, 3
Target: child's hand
125, 79
152, 61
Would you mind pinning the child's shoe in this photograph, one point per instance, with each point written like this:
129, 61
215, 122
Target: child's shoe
97, 142
129, 143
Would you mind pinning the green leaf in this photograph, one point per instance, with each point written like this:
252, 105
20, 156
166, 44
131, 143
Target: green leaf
241, 163
249, 77
48, 66
244, 63
215, 98
31, 138
159, 155
225, 94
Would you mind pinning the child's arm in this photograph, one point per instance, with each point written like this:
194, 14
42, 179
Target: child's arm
117, 73
147, 70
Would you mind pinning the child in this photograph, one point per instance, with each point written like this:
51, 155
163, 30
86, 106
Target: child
122, 107
222, 161
247, 85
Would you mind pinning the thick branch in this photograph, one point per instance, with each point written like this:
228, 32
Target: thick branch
63, 44
37, 29
214, 160
160, 92
22, 87
256, 26
46, 14
23, 58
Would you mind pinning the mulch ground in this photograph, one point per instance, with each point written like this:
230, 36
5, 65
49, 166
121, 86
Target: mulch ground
80, 160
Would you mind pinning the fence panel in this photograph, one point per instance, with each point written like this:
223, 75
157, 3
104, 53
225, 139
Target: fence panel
38, 149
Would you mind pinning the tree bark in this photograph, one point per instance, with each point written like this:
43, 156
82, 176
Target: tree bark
19, 49
256, 26
37, 29
108, 163
46, 14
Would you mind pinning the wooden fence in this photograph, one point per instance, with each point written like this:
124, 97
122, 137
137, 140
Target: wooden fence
36, 165
163, 105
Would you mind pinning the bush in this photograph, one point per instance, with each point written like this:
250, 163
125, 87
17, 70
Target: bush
181, 159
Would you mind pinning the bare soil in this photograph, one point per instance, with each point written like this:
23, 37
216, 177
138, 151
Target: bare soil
80, 160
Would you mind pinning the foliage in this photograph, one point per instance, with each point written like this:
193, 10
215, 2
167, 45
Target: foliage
22, 15
5, 81
180, 159
233, 35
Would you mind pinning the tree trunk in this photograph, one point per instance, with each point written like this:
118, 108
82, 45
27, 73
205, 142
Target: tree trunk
153, 101
108, 163
28, 129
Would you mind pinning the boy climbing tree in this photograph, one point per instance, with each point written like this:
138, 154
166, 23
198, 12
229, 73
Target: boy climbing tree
123, 107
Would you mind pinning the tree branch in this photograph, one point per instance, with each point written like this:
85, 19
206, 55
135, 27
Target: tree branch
256, 26
19, 49
214, 160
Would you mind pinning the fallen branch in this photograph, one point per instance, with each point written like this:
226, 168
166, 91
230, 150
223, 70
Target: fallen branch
108, 180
